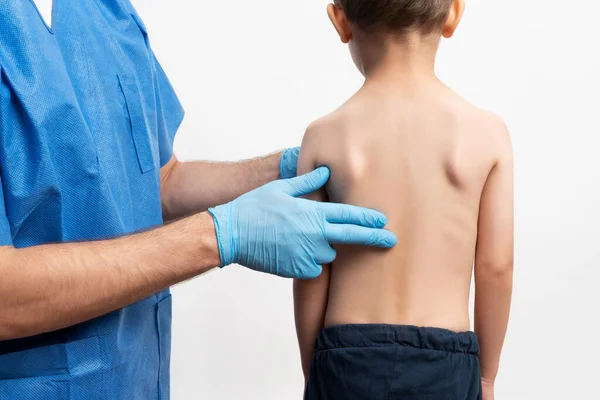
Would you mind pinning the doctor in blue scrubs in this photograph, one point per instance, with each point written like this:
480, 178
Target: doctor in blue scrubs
88, 179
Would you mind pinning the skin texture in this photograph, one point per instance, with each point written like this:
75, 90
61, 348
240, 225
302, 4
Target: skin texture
49, 287
191, 187
441, 170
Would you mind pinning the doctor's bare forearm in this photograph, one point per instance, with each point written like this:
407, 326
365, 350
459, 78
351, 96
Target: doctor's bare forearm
191, 187
49, 287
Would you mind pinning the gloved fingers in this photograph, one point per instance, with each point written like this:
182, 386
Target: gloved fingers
326, 256
311, 273
314, 270
308, 183
346, 214
353, 234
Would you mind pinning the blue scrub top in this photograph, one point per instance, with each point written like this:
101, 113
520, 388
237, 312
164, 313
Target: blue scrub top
87, 118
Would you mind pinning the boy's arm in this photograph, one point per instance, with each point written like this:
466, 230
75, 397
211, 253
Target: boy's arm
310, 297
494, 261
310, 304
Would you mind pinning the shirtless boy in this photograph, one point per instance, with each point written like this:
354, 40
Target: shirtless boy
395, 324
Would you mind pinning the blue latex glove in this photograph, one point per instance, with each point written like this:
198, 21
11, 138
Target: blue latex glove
272, 230
289, 163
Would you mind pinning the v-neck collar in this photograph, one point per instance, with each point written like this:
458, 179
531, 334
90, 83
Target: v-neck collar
45, 10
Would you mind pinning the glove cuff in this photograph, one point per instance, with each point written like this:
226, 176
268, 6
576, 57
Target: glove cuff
222, 217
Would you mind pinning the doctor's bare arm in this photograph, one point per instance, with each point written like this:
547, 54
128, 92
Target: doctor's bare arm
191, 187
49, 287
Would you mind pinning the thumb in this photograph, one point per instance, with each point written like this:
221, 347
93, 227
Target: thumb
308, 183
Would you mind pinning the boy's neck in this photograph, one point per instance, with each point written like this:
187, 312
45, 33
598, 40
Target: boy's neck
409, 58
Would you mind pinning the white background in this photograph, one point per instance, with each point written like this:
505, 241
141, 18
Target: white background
253, 74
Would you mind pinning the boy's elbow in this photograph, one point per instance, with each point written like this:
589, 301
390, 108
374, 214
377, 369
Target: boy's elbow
495, 268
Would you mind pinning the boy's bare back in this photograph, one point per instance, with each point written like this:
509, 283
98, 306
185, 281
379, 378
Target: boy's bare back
422, 155
441, 171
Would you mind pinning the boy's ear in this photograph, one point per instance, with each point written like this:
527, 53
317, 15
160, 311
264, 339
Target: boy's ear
456, 12
340, 23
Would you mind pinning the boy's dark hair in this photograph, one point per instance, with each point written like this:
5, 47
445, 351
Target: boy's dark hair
426, 16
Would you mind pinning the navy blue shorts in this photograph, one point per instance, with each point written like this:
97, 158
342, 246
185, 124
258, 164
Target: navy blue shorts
386, 362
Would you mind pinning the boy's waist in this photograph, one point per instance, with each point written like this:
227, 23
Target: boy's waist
377, 335
399, 306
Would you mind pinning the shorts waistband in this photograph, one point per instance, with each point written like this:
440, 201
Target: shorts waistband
373, 335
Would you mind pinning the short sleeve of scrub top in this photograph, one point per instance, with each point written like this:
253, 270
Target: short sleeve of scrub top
5, 238
172, 113
6, 115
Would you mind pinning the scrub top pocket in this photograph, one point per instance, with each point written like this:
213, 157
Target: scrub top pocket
71, 370
133, 108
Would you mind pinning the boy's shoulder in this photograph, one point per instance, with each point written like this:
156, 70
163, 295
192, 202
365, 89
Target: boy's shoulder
336, 125
489, 137
494, 124
473, 114
487, 128
329, 128
325, 138
330, 124
495, 131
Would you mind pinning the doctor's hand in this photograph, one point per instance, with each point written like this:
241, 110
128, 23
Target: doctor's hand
272, 230
289, 163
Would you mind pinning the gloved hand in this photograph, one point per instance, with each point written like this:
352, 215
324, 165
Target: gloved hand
289, 163
272, 230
